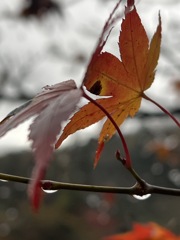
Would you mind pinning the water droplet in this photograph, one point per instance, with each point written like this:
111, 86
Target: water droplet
3, 180
47, 187
49, 191
144, 197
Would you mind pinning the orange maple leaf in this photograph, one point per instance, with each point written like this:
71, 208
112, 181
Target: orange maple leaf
124, 81
150, 231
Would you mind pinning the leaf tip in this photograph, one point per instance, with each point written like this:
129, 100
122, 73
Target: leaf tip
98, 153
58, 143
34, 189
160, 21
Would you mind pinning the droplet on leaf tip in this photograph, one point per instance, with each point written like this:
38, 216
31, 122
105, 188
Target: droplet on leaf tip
106, 138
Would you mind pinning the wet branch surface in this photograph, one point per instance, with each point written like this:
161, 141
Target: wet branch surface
140, 188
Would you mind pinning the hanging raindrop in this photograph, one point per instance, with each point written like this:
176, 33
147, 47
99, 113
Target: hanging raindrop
47, 187
49, 191
144, 197
3, 180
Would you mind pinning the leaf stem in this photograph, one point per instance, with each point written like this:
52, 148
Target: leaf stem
136, 189
139, 180
128, 161
163, 109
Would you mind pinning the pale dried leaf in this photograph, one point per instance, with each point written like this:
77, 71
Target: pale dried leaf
43, 133
34, 106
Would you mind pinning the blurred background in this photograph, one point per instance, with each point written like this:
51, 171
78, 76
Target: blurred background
43, 42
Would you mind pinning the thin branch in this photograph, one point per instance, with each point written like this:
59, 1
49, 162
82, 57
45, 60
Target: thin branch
164, 191
134, 190
14, 178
